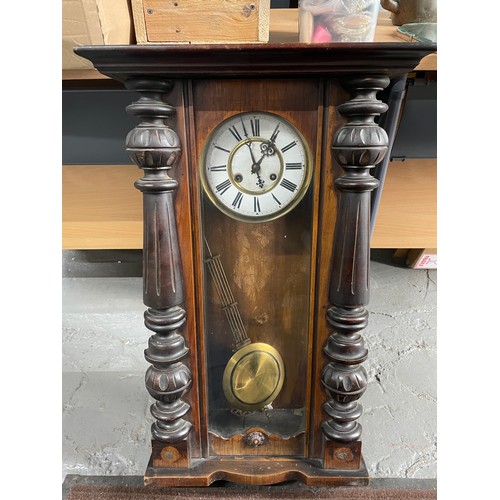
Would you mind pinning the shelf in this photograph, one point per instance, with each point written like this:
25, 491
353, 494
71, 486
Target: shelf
407, 215
103, 210
284, 29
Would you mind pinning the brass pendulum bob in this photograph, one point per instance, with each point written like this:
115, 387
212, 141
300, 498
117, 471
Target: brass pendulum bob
254, 375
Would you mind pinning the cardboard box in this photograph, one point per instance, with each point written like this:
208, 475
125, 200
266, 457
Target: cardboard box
94, 22
425, 258
210, 21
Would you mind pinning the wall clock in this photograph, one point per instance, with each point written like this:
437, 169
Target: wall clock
256, 166
256, 183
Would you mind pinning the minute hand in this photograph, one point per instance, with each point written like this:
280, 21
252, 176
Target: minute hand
249, 144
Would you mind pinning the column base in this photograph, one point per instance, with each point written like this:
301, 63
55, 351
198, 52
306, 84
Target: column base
169, 455
341, 456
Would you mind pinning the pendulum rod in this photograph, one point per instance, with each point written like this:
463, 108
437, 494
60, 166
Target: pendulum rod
229, 304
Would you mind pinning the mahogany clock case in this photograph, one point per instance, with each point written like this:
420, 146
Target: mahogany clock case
301, 289
273, 269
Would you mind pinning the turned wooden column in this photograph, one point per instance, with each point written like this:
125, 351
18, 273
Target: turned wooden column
156, 148
357, 146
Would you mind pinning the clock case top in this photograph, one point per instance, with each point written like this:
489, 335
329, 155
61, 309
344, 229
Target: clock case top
255, 60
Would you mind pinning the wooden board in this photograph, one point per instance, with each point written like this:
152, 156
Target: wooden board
210, 21
407, 215
101, 208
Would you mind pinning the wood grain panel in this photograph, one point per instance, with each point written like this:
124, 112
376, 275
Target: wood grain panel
101, 208
407, 215
272, 446
267, 319
211, 21
329, 198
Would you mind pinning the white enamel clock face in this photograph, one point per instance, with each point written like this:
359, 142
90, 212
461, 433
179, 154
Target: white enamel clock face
255, 166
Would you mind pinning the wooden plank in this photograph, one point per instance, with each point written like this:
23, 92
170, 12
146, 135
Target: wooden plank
211, 21
407, 215
101, 207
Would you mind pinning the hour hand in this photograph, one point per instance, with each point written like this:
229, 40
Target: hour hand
256, 170
256, 165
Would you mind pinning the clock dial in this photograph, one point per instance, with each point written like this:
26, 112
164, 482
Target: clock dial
256, 166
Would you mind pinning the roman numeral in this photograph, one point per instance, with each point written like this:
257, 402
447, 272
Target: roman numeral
255, 123
289, 146
235, 133
237, 201
288, 185
223, 186
222, 149
293, 166
276, 200
244, 128
218, 168
256, 205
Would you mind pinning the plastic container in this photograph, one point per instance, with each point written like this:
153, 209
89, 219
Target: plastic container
325, 21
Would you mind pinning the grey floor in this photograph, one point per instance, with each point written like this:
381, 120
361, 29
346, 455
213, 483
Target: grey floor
106, 407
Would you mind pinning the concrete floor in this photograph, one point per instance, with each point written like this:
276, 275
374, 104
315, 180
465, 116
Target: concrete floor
106, 416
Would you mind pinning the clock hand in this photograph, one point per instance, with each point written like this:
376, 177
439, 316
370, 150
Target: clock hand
249, 144
256, 170
268, 148
255, 165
